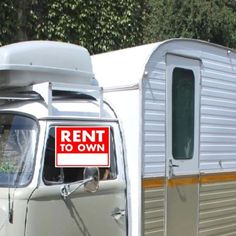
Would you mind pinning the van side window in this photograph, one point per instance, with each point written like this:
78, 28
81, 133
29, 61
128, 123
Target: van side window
182, 114
53, 175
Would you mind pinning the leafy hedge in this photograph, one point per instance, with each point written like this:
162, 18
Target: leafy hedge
99, 25
103, 25
213, 20
8, 22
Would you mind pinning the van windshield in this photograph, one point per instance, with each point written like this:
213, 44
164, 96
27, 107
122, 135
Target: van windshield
18, 135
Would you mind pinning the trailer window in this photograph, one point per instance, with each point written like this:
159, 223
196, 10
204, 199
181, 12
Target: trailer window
182, 113
53, 175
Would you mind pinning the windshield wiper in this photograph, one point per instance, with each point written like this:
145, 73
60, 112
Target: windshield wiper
10, 208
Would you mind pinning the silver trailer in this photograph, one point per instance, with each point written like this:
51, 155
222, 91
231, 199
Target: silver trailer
44, 85
176, 102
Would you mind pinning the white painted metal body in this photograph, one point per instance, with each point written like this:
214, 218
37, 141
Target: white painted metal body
123, 76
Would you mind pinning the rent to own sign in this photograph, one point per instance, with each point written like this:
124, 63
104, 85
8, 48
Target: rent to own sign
82, 146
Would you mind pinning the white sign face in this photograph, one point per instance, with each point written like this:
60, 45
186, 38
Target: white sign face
82, 146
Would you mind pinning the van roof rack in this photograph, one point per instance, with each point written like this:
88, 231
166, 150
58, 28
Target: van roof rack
50, 90
47, 70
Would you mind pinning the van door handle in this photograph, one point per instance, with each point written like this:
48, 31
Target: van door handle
118, 213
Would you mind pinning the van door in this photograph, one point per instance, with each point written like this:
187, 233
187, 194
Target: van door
82, 213
183, 88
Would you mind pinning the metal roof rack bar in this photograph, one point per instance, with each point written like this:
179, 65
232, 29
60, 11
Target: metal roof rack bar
46, 89
20, 97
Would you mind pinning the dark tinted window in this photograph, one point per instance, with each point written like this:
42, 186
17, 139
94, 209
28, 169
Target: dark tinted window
182, 113
53, 175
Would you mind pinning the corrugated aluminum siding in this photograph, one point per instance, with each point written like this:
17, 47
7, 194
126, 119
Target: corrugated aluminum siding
217, 209
154, 89
217, 147
218, 113
153, 212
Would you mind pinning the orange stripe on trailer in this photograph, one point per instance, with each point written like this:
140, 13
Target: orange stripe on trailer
218, 177
183, 180
153, 182
189, 180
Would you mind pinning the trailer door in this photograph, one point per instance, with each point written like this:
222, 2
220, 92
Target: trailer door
183, 88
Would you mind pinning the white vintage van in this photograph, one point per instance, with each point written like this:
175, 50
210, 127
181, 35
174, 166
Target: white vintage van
44, 85
176, 101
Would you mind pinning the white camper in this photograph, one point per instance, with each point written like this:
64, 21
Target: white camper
176, 101
44, 85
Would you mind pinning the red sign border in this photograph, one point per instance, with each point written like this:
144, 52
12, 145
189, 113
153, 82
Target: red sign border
72, 166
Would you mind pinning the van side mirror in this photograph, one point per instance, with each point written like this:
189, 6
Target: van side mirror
90, 183
93, 174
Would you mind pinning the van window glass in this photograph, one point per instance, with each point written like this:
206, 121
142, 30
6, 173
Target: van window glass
53, 175
18, 137
182, 113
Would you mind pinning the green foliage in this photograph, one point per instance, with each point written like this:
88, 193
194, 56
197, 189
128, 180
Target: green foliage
7, 167
99, 25
213, 21
103, 25
8, 19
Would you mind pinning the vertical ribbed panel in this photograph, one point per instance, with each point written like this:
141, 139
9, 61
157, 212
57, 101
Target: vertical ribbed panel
153, 212
154, 120
218, 113
217, 209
